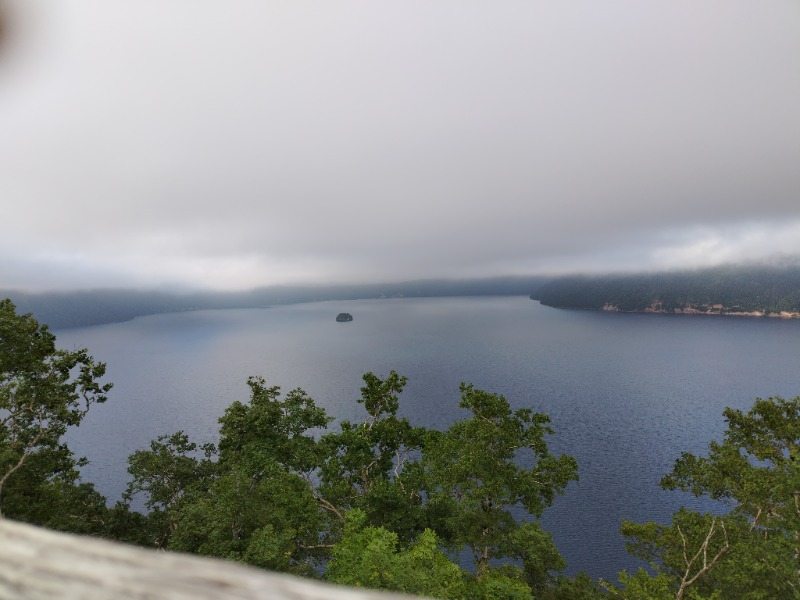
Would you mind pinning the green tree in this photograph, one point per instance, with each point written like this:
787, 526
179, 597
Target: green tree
579, 587
43, 392
682, 554
369, 556
373, 465
374, 500
643, 586
481, 469
169, 475
752, 550
256, 504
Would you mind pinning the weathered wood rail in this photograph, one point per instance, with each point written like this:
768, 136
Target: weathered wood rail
38, 564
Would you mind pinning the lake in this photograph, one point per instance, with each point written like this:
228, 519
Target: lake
627, 393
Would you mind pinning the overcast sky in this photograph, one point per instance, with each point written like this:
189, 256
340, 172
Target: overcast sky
243, 143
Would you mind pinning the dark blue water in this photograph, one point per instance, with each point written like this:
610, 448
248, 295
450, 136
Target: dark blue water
626, 393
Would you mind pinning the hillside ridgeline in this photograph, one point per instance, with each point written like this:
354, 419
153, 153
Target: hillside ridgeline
755, 291
93, 307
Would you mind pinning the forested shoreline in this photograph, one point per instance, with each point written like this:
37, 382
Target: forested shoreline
384, 502
730, 290
94, 307
754, 290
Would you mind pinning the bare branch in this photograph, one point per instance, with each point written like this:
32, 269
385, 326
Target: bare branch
28, 449
687, 581
328, 506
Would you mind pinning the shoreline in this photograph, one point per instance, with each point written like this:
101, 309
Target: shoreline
715, 310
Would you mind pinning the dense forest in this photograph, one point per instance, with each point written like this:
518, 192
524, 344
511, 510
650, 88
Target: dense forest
386, 503
753, 289
94, 307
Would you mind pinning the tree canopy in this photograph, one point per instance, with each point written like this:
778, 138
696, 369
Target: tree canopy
43, 391
385, 503
750, 548
367, 500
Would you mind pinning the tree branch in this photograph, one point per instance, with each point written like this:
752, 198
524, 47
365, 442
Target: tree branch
686, 580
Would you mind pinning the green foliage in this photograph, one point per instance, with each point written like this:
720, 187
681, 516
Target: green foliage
752, 551
535, 548
270, 521
370, 465
481, 468
168, 471
579, 587
43, 392
500, 584
368, 556
643, 586
169, 475
374, 499
270, 431
255, 503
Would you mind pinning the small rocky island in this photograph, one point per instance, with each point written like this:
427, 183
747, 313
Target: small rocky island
344, 317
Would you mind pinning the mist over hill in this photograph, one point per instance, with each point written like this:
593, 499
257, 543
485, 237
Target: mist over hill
757, 290
769, 289
93, 307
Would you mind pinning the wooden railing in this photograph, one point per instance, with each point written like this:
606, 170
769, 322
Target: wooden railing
38, 564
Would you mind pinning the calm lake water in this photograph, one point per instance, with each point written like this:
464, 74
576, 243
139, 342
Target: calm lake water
626, 393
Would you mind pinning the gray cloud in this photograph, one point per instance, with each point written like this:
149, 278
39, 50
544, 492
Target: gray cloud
255, 143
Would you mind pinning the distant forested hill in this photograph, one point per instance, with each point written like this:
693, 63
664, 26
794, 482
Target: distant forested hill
93, 307
756, 290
